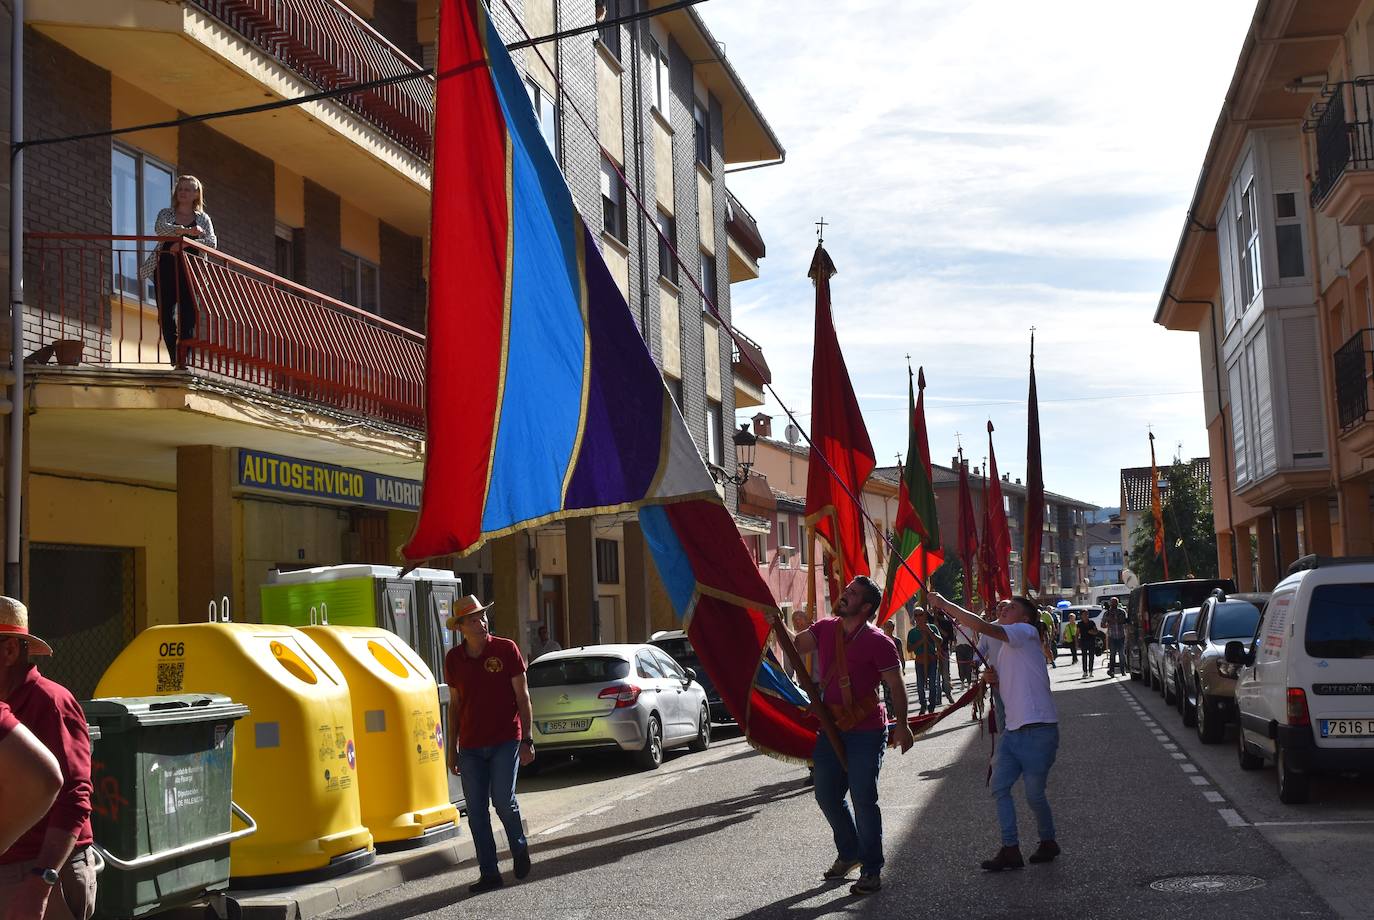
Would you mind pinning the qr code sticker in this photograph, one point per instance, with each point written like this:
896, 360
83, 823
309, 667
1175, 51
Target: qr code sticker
169, 676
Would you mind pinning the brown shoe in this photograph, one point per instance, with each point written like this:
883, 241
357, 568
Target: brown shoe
1006, 858
1046, 852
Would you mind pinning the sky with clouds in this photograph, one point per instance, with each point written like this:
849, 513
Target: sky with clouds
985, 166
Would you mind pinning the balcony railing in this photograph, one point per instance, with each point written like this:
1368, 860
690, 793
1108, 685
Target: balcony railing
331, 46
748, 359
741, 225
85, 303
1343, 126
1352, 373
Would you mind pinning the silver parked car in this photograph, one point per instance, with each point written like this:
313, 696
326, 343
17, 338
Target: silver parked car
1170, 668
1164, 635
628, 697
1208, 681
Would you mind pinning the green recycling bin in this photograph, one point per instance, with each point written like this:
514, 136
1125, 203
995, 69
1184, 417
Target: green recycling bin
162, 778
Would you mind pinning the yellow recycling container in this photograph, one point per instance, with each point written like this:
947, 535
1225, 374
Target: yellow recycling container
402, 778
295, 757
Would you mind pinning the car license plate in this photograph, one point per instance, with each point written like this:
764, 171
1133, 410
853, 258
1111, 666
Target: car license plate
566, 725
1347, 728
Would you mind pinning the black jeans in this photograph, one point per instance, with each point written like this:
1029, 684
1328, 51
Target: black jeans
175, 303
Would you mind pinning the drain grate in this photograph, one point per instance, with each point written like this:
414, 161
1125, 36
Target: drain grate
1208, 884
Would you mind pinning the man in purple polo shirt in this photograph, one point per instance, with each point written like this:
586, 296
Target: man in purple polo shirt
870, 659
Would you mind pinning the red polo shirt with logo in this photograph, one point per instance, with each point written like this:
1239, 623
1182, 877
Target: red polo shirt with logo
487, 714
50, 711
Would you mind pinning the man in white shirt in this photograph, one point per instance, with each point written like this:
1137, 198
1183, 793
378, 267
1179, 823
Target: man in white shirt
1031, 737
544, 645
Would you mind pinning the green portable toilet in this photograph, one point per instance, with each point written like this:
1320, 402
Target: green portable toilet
353, 595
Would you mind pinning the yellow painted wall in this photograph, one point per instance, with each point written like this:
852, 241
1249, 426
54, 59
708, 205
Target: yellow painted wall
539, 20
706, 214
290, 191
90, 513
663, 166
359, 232
712, 344
670, 331
609, 127
131, 106
279, 533
617, 260
427, 21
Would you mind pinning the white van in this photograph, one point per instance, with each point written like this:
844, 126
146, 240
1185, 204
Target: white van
1101, 593
1305, 684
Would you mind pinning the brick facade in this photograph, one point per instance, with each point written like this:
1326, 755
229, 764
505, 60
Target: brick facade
66, 186
403, 287
239, 192
318, 242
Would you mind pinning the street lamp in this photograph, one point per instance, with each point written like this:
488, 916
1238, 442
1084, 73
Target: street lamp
745, 445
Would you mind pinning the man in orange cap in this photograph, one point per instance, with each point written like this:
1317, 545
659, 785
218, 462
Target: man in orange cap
48, 874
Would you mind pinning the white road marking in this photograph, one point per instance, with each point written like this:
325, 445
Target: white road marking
600, 811
1199, 780
1213, 796
1310, 823
1232, 817
555, 829
1169, 746
1187, 768
670, 780
1177, 756
638, 795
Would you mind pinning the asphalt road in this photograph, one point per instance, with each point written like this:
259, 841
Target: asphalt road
731, 833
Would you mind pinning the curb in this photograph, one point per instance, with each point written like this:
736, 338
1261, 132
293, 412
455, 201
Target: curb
305, 902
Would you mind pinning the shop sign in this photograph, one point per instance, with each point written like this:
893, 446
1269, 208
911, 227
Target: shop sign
264, 472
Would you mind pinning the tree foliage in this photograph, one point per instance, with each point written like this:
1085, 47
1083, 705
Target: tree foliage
1190, 539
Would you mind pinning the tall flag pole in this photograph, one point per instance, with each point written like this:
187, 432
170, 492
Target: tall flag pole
916, 539
996, 534
1157, 509
835, 479
968, 531
1032, 532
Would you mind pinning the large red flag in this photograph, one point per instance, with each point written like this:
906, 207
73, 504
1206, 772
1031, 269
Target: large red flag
1157, 510
996, 534
841, 453
1035, 487
968, 532
916, 533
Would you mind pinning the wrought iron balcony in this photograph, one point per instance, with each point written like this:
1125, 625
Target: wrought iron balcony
1343, 127
331, 46
86, 304
743, 228
1352, 374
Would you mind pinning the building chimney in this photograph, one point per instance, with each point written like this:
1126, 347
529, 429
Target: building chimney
1006, 477
954, 463
1018, 480
763, 425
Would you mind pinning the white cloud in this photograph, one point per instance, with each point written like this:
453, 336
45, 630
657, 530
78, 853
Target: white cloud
984, 167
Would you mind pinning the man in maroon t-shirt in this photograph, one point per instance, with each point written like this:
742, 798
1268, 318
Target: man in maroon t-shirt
870, 659
48, 874
489, 730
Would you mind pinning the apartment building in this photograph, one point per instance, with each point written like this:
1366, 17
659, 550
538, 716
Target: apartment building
1273, 272
290, 432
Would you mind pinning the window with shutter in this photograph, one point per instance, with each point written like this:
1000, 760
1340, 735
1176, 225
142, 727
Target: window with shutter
1264, 453
1305, 417
1238, 444
1226, 262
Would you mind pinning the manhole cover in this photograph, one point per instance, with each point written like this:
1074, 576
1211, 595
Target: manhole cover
1208, 884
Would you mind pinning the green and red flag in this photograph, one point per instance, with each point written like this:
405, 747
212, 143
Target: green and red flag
841, 453
968, 532
1035, 487
1157, 509
916, 534
996, 535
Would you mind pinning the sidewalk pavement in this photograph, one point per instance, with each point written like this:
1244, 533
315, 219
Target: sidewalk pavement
391, 870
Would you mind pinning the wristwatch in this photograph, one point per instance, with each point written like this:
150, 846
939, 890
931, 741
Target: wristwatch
49, 876
527, 742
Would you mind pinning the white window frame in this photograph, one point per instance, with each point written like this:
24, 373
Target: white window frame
662, 79
546, 113
127, 256
359, 263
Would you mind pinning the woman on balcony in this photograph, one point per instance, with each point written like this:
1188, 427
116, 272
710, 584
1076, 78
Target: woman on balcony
175, 303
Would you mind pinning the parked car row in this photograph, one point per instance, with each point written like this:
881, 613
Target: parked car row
1294, 670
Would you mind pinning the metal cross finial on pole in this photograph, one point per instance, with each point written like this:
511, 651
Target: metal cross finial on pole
820, 230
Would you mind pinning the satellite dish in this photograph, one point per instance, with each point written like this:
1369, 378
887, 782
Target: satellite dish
792, 433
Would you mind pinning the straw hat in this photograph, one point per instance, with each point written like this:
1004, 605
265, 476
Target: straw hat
466, 607
14, 621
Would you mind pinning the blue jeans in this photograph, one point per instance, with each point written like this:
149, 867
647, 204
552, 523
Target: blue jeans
928, 684
1025, 753
858, 835
488, 775
1116, 654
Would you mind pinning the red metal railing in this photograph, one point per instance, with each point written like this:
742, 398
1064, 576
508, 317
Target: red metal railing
331, 46
84, 302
